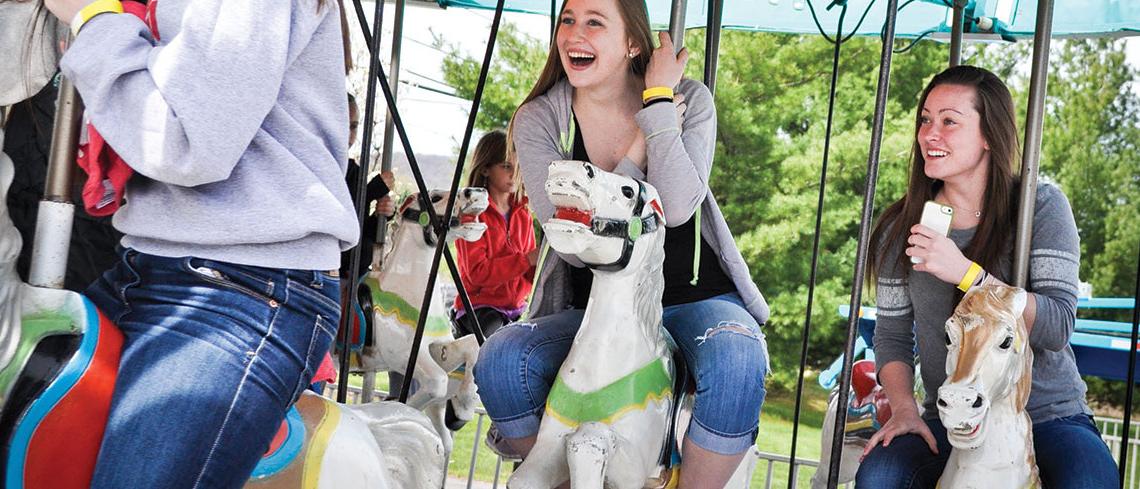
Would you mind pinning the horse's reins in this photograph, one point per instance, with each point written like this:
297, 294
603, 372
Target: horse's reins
629, 230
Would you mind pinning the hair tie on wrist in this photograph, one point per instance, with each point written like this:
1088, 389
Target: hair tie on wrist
656, 92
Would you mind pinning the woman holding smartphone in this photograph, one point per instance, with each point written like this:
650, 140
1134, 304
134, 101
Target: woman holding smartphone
964, 156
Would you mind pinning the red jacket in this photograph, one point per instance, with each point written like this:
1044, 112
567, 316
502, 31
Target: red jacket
495, 269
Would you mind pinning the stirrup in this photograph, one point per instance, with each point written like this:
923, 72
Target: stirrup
497, 444
666, 478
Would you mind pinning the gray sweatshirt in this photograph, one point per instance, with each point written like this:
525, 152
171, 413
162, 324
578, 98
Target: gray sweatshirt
235, 122
918, 306
680, 158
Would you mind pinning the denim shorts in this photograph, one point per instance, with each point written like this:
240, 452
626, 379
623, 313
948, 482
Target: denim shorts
721, 342
213, 355
1070, 455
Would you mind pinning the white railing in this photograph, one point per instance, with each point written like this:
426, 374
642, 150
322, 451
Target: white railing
1111, 431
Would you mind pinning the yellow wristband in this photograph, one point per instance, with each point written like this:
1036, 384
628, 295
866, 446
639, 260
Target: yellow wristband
968, 279
91, 10
656, 92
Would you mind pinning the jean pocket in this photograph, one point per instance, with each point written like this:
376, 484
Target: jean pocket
232, 277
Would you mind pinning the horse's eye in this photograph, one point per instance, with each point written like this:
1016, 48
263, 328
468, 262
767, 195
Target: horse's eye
1006, 344
948, 342
436, 198
627, 191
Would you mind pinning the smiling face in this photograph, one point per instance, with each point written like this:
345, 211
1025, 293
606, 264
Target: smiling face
592, 43
950, 137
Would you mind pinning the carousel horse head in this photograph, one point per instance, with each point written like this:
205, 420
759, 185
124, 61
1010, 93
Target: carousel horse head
602, 217
988, 362
470, 202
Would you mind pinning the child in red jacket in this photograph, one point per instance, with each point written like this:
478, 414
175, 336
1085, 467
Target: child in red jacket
498, 269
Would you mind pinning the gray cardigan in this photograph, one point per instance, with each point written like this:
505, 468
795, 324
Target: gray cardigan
916, 308
680, 159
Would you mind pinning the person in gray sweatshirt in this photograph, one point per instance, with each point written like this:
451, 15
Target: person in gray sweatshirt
608, 97
964, 156
234, 119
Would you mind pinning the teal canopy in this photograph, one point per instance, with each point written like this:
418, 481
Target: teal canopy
1015, 18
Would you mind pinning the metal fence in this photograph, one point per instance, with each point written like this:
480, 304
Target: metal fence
1111, 431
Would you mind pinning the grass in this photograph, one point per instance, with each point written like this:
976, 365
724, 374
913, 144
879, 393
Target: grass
775, 437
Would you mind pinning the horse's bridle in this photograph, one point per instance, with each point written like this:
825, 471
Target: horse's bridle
422, 218
629, 230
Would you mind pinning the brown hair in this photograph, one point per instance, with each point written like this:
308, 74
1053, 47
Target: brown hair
636, 19
994, 233
490, 151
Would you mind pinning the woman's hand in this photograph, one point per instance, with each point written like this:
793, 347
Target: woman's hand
385, 207
389, 179
65, 10
902, 421
940, 256
665, 67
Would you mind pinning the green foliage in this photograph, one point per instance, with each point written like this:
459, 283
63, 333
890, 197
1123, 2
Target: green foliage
516, 62
772, 100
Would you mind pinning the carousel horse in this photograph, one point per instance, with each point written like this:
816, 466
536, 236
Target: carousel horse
609, 411
58, 362
441, 375
867, 411
989, 369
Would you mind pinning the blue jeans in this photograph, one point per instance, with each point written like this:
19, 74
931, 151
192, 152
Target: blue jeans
213, 355
1070, 455
720, 340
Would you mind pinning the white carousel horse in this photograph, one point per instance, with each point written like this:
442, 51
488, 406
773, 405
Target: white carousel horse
608, 413
58, 361
441, 372
989, 369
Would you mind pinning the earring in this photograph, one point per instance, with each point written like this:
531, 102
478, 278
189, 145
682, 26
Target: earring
632, 55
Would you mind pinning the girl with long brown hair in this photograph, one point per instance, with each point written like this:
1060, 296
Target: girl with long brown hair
964, 156
607, 96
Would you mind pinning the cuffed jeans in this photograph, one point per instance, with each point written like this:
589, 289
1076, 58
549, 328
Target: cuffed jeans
213, 355
720, 340
1070, 455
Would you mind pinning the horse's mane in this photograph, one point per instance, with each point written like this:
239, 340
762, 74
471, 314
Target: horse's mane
650, 282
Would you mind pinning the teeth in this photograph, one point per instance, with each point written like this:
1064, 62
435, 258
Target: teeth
936, 153
575, 54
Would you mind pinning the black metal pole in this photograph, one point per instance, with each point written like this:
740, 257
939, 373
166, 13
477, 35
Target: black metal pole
349, 302
434, 221
712, 42
441, 229
1127, 436
815, 243
864, 237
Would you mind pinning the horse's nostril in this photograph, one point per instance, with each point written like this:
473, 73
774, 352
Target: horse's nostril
977, 402
942, 402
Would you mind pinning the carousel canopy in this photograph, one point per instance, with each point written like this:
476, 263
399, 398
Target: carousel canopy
917, 18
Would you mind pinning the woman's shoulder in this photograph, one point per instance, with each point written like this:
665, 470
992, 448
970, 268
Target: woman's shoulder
1050, 201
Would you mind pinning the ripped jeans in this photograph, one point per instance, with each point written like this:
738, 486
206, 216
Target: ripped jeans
721, 342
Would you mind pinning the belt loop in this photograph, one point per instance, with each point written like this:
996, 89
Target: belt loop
318, 280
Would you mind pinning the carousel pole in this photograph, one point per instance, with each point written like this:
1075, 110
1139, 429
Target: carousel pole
712, 42
56, 211
350, 300
1034, 116
956, 29
677, 23
864, 238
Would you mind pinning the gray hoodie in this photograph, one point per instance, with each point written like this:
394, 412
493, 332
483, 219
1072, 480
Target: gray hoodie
680, 159
235, 123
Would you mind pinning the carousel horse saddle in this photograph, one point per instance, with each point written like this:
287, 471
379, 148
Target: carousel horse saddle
56, 410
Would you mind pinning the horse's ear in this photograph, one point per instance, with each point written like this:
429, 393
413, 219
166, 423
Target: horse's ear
1019, 298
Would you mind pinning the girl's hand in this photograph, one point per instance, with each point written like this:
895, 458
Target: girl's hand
902, 421
665, 68
65, 10
385, 207
940, 256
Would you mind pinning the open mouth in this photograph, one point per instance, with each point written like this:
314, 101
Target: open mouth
933, 154
574, 214
580, 59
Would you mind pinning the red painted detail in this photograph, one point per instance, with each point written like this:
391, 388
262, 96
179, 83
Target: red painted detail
63, 449
657, 207
575, 215
279, 438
